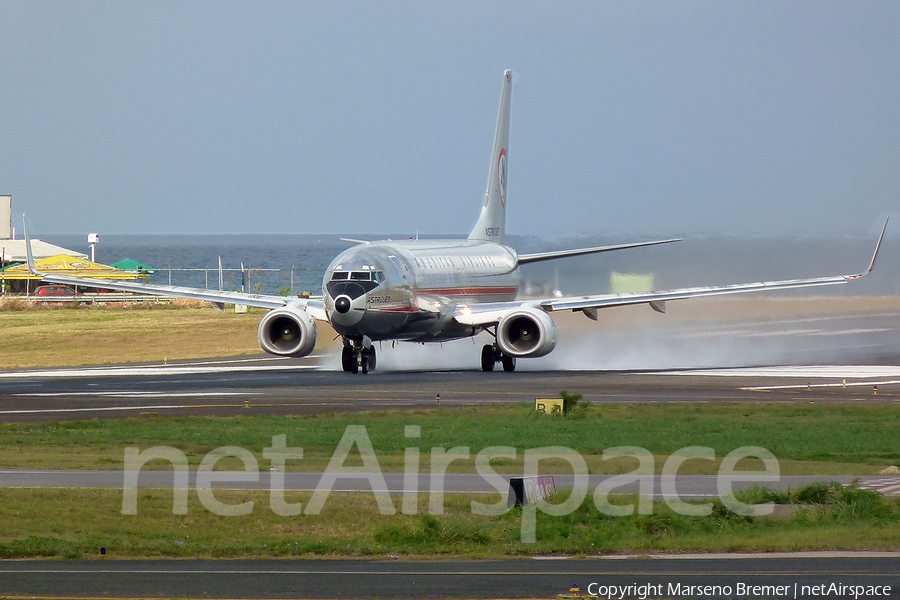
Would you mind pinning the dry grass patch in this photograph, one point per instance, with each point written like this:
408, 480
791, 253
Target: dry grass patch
13, 303
71, 337
188, 303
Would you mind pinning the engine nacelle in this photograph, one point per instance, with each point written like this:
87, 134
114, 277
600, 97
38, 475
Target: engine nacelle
528, 332
288, 331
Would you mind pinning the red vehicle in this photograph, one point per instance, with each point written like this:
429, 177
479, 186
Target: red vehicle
55, 291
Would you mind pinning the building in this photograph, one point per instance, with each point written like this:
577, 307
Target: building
18, 279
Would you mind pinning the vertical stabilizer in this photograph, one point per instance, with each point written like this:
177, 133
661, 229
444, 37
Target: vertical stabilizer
492, 222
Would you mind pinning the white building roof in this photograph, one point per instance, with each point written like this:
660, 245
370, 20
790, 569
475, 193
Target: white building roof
14, 250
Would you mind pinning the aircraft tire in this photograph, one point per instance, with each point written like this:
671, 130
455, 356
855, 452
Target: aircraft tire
367, 360
509, 363
349, 362
487, 358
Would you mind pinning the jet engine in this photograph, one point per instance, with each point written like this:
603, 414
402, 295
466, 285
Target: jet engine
288, 331
528, 332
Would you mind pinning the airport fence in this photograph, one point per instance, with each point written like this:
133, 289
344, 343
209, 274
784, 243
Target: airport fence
249, 279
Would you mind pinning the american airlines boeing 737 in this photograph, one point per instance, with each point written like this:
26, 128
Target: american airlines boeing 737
439, 290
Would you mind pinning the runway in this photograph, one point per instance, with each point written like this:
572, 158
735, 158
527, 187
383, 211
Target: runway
515, 578
297, 386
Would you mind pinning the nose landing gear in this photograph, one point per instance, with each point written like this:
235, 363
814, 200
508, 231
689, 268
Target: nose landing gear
355, 357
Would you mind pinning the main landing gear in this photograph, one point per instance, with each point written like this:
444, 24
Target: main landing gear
491, 355
356, 358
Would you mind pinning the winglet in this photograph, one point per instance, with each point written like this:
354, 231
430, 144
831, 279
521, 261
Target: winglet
874, 254
28, 253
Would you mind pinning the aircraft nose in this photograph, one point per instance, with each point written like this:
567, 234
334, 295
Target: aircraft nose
342, 304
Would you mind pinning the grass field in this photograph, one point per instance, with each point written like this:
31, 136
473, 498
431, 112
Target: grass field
77, 523
805, 439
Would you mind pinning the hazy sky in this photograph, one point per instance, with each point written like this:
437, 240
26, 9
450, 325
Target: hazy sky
377, 117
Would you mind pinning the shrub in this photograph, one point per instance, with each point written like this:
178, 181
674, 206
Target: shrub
432, 532
570, 401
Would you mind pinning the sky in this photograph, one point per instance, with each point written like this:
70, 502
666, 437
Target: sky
628, 118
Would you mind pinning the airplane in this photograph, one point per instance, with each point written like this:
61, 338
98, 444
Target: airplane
439, 290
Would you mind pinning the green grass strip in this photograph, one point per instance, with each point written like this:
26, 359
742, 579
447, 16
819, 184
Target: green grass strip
863, 438
77, 523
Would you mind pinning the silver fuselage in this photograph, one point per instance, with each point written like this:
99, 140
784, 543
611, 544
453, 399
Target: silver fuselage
409, 290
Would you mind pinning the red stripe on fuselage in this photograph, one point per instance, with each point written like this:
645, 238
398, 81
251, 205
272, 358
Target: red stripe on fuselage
395, 309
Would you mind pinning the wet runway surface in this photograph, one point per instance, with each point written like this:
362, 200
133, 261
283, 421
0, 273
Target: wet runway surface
277, 387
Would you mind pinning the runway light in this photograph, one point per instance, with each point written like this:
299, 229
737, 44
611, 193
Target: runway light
438, 398
875, 391
246, 404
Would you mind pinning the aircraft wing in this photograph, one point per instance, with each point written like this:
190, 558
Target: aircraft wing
220, 296
315, 308
491, 313
524, 259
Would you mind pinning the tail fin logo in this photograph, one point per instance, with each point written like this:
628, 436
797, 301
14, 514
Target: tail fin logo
501, 173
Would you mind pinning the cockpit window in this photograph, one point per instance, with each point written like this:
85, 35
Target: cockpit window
353, 283
400, 266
